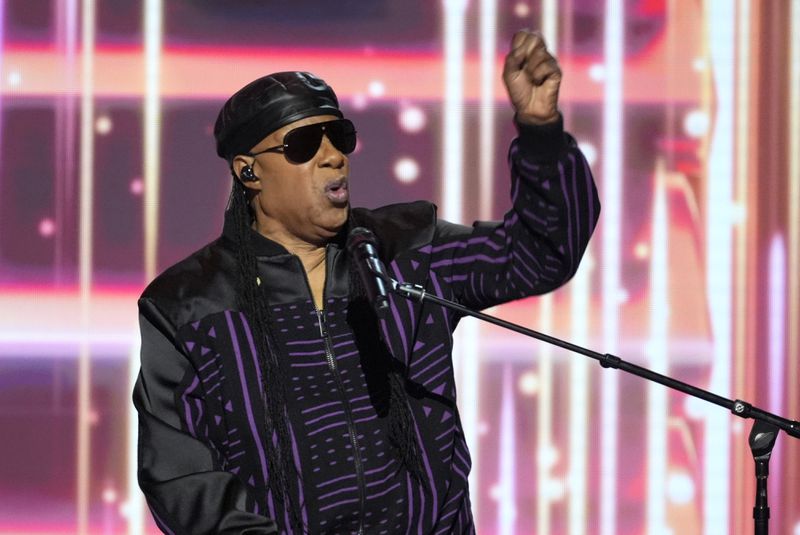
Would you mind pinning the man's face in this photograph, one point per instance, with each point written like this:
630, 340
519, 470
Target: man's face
308, 200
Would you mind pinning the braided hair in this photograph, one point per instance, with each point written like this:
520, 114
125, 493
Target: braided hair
280, 463
282, 470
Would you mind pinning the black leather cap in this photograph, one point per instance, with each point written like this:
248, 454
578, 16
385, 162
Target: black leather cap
267, 104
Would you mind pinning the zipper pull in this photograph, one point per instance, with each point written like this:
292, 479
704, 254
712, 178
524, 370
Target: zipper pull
321, 321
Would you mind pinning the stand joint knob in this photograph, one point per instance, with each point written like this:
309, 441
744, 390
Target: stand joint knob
741, 408
610, 361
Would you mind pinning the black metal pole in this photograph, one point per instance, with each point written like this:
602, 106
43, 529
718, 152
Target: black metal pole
738, 407
765, 429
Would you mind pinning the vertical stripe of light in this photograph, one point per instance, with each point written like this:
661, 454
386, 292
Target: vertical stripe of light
777, 350
743, 313
453, 124
2, 82
153, 39
545, 449
85, 261
466, 352
579, 402
486, 126
658, 351
153, 29
721, 25
507, 495
793, 151
612, 177
64, 132
550, 24
471, 361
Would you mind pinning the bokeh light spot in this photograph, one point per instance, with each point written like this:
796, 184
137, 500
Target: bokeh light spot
47, 227
376, 89
103, 125
695, 124
522, 10
597, 72
406, 170
137, 186
529, 383
412, 119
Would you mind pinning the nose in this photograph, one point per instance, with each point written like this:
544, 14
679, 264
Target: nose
330, 156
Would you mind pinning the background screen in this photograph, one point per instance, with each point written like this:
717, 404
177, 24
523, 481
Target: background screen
687, 110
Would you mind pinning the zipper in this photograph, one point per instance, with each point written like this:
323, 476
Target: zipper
351, 428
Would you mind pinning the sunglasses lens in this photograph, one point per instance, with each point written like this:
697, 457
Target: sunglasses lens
342, 134
303, 143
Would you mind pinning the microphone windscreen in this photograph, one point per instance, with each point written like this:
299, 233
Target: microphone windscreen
358, 236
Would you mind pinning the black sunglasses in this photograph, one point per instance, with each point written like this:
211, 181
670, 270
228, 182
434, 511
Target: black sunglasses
302, 143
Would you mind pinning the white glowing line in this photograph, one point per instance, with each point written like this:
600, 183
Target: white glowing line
488, 36
153, 32
742, 173
34, 338
613, 38
85, 262
471, 361
544, 438
793, 395
2, 55
721, 25
67, 38
467, 361
135, 497
153, 29
452, 177
507, 508
550, 24
545, 414
657, 454
777, 350
453, 124
579, 401
742, 251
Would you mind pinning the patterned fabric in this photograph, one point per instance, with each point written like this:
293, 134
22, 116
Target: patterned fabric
202, 441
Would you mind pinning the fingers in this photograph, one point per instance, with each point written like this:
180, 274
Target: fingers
519, 37
546, 68
529, 53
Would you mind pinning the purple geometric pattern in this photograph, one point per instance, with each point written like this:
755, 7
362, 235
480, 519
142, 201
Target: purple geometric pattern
331, 378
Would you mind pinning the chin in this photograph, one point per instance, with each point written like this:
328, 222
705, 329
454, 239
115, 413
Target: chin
333, 225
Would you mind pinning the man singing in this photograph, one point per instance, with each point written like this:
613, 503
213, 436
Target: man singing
271, 398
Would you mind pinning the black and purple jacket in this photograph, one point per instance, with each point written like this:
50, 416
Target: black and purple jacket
202, 460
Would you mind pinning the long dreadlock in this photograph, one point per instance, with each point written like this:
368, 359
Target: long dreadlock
254, 304
402, 434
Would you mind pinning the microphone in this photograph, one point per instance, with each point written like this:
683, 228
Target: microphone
363, 247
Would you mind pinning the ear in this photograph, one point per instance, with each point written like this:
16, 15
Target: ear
238, 165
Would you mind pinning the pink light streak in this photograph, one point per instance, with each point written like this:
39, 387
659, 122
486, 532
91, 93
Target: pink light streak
119, 72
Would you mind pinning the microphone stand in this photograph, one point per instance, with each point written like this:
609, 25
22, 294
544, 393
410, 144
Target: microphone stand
765, 428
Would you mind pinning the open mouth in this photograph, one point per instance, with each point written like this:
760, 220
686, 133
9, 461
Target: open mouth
337, 191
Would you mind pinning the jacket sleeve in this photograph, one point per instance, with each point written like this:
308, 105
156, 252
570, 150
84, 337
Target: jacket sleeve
179, 474
539, 244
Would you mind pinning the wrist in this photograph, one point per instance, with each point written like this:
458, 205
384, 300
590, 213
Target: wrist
534, 120
541, 142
